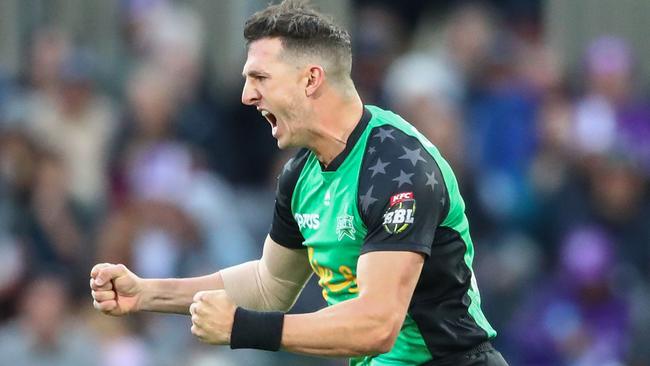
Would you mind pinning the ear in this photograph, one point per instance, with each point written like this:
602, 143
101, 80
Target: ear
315, 78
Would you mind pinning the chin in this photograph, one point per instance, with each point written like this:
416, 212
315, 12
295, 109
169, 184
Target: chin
287, 144
283, 144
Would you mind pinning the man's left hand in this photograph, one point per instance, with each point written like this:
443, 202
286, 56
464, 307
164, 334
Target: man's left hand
213, 313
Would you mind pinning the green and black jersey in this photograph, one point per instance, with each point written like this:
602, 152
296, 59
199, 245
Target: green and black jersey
389, 190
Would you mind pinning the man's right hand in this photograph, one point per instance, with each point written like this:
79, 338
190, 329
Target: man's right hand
116, 290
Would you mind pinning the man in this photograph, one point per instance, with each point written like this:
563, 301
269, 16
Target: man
369, 204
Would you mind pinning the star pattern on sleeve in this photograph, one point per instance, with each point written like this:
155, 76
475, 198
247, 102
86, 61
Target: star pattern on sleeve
383, 134
379, 167
367, 199
431, 180
402, 164
412, 155
403, 178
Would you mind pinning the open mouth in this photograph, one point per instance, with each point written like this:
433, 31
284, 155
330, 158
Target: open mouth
270, 117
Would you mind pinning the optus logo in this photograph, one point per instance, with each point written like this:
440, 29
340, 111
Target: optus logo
307, 220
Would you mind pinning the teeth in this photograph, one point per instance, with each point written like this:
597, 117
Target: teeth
264, 113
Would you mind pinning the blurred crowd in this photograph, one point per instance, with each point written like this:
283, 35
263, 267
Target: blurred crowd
147, 167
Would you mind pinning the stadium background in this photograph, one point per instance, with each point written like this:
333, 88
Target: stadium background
122, 139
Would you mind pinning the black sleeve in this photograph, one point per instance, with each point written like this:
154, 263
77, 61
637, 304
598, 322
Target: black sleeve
402, 194
284, 229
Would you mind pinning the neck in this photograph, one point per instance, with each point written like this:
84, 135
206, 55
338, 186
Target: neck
336, 119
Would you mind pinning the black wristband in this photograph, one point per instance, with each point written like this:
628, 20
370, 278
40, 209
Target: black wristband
255, 329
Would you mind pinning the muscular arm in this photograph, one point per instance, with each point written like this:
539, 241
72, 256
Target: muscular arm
174, 295
270, 283
368, 324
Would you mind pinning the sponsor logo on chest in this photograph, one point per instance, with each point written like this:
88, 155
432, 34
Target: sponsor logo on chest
307, 220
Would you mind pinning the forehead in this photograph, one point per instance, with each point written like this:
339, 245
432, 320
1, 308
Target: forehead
262, 53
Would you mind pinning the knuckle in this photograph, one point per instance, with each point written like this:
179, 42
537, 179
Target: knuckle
198, 296
105, 295
99, 266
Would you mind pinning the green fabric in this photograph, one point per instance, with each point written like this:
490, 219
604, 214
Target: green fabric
324, 199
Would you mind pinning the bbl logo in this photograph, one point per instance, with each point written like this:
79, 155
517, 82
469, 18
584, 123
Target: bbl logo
400, 214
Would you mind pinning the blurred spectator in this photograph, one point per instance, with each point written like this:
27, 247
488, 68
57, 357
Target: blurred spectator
611, 115
45, 333
429, 84
172, 203
575, 319
471, 30
422, 91
611, 194
618, 201
150, 220
507, 265
48, 52
171, 37
502, 140
41, 217
538, 68
77, 122
120, 345
551, 173
379, 40
56, 237
38, 214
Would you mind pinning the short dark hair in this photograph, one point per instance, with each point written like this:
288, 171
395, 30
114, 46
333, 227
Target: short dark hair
304, 31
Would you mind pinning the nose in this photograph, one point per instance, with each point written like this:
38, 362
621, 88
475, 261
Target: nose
250, 95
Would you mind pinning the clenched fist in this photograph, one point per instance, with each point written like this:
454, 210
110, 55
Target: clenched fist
213, 313
115, 290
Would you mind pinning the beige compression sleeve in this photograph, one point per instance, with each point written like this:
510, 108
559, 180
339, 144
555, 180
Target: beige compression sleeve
271, 283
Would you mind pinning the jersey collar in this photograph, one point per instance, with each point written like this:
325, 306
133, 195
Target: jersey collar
352, 140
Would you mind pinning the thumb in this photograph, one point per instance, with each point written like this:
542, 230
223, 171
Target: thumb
109, 273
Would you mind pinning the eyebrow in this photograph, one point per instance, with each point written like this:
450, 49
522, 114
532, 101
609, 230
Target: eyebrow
254, 73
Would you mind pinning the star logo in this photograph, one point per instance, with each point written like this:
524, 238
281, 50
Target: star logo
412, 155
403, 178
367, 199
344, 226
379, 167
384, 134
431, 180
